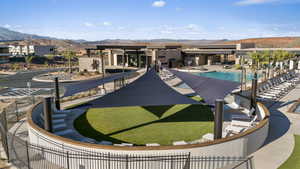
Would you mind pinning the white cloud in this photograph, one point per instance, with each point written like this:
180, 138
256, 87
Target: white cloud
88, 24
193, 27
7, 26
107, 23
254, 2
159, 4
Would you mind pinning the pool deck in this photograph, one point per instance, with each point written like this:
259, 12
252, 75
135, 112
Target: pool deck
283, 126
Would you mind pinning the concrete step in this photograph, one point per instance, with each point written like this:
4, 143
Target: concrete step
63, 132
55, 115
58, 115
56, 121
60, 126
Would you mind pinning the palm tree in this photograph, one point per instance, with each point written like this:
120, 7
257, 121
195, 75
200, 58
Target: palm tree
257, 60
28, 60
69, 55
267, 57
49, 58
101, 54
279, 57
255, 57
292, 56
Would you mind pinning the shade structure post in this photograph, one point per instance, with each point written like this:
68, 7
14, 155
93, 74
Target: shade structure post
47, 114
57, 97
102, 64
123, 60
218, 126
102, 68
138, 59
242, 78
254, 91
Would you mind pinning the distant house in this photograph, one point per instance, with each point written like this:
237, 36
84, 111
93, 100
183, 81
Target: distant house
4, 54
25, 50
44, 50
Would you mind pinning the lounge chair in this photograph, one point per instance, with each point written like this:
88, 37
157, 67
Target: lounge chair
246, 114
233, 105
177, 143
234, 129
152, 144
210, 136
243, 123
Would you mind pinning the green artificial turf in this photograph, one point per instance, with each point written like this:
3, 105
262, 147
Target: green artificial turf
197, 98
148, 124
294, 160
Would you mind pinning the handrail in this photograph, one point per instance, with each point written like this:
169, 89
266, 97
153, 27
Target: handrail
244, 161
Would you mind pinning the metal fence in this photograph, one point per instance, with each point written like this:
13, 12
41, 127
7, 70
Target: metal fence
25, 155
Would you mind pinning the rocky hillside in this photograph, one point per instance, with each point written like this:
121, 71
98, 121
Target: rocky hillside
272, 42
6, 35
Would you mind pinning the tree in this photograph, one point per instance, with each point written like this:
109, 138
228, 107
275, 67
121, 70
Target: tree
28, 60
101, 54
279, 58
50, 58
266, 62
290, 57
69, 55
257, 58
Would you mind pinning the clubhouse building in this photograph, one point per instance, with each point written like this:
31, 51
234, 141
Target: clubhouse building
169, 55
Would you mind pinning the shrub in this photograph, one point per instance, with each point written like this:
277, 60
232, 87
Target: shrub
238, 66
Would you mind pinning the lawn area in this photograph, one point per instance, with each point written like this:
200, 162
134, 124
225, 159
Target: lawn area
197, 98
294, 160
147, 124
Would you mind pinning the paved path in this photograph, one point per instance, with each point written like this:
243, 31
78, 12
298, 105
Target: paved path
280, 142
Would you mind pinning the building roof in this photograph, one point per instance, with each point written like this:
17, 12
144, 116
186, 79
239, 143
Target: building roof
209, 51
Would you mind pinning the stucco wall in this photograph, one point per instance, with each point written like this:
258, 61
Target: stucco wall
240, 145
86, 63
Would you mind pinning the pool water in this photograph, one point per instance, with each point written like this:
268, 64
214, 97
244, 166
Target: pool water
231, 76
297, 110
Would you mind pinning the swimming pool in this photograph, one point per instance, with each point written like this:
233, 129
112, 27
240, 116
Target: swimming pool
297, 110
231, 76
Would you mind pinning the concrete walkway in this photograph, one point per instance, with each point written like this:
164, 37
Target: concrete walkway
280, 142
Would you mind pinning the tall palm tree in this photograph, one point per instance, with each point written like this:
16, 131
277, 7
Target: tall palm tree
69, 55
255, 59
101, 54
292, 56
28, 60
267, 58
279, 57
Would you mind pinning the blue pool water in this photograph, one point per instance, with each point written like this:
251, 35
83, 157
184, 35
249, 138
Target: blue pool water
231, 76
297, 109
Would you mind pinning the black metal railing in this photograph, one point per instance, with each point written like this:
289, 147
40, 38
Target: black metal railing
25, 155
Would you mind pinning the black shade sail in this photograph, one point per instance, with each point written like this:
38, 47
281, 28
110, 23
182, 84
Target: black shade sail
86, 85
209, 89
148, 90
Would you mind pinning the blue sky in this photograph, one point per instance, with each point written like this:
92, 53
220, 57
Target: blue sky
152, 19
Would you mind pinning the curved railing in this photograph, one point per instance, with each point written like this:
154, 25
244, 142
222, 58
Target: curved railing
262, 125
27, 155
